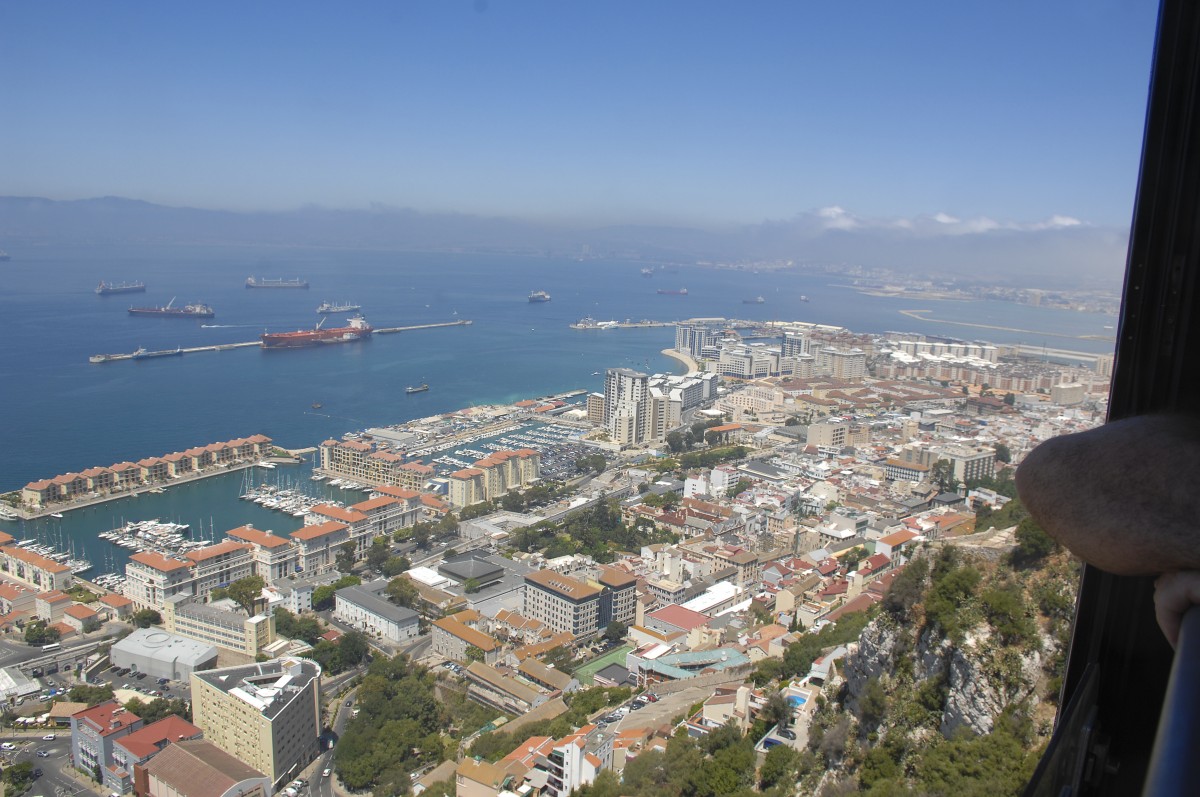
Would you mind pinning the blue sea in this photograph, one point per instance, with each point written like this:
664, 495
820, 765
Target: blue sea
63, 413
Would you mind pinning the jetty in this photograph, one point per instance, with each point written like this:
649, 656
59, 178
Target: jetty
108, 358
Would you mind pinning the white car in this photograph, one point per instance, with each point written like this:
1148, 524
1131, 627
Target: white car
7, 746
49, 737
326, 772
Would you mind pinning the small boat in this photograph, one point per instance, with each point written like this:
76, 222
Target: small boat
666, 292
316, 405
647, 272
755, 300
56, 514
416, 389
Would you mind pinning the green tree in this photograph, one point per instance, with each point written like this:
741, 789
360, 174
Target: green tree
1033, 544
741, 486
353, 648
344, 561
19, 777
1002, 452
395, 565
675, 442
92, 695
90, 625
474, 653
941, 475
471, 585
402, 592
615, 631
1010, 399
246, 592
38, 632
476, 510
779, 767
144, 618
872, 707
378, 554
512, 502
776, 710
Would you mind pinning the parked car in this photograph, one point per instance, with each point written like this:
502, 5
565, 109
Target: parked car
7, 746
787, 733
49, 737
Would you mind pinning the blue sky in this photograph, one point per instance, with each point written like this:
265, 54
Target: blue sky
682, 112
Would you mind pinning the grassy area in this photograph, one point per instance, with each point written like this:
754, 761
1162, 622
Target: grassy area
615, 656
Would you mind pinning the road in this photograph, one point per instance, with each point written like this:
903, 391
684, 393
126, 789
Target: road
58, 779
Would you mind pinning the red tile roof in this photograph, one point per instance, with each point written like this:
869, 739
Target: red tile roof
320, 530
107, 717
158, 562
220, 549
263, 539
147, 741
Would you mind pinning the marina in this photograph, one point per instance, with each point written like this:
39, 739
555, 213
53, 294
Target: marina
142, 354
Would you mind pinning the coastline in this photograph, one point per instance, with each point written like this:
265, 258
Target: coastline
686, 359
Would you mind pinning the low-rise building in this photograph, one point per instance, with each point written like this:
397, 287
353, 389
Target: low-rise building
160, 654
453, 637
363, 607
142, 745
93, 733
199, 768
221, 623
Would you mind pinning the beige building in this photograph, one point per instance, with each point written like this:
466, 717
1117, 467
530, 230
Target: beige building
222, 624
453, 635
566, 604
493, 476
268, 715
32, 569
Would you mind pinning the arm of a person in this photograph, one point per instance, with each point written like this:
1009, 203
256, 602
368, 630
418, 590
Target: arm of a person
1174, 594
1124, 497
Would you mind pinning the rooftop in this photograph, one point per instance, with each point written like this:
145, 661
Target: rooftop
266, 686
199, 768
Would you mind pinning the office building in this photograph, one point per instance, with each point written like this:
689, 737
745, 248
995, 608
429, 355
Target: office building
268, 715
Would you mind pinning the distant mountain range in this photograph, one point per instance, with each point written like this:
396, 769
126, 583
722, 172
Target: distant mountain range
1058, 253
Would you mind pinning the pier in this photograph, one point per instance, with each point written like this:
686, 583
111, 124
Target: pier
108, 358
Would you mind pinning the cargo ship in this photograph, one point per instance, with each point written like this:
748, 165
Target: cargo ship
417, 389
265, 282
195, 310
142, 354
667, 292
109, 288
647, 272
539, 296
327, 307
106, 358
755, 300
355, 329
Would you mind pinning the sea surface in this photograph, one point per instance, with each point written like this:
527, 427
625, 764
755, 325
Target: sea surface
62, 413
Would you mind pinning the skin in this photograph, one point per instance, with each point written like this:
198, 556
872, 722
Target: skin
1126, 498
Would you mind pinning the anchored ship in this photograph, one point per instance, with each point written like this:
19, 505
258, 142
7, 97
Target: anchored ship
327, 308
265, 282
755, 300
109, 288
195, 310
417, 389
667, 292
356, 329
647, 272
539, 296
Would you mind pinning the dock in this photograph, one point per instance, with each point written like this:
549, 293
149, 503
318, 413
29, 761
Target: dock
108, 358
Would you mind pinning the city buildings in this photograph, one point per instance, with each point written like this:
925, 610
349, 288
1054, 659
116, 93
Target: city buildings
222, 623
268, 715
160, 654
566, 604
199, 768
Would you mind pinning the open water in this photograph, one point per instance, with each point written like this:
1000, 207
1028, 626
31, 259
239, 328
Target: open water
62, 413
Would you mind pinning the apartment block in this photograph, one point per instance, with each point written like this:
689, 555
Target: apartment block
267, 715
453, 635
568, 605
274, 557
493, 476
93, 733
223, 624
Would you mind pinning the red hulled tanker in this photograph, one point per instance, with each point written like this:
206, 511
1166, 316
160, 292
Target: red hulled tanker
355, 329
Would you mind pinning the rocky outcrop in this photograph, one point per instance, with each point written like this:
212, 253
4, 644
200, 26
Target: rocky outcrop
986, 678
875, 657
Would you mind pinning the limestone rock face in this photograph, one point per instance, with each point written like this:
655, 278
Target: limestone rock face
875, 657
984, 679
